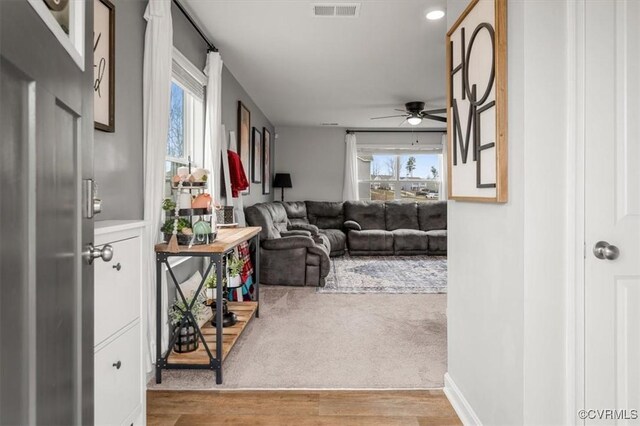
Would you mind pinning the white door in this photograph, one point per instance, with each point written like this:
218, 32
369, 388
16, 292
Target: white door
612, 206
46, 150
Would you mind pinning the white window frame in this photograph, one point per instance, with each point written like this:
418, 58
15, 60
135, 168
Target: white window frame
396, 180
192, 81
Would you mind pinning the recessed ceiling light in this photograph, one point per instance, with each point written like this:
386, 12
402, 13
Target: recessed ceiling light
435, 15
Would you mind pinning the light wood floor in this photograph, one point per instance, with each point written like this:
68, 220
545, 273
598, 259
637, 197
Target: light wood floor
429, 407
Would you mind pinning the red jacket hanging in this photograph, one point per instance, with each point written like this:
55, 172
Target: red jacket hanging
238, 178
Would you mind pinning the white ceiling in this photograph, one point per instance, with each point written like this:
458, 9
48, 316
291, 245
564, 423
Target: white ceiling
304, 71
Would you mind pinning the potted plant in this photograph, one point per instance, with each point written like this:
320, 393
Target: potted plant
184, 327
210, 285
235, 266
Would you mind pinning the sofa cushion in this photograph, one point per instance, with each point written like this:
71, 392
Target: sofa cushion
337, 239
278, 215
432, 215
325, 214
374, 240
368, 214
409, 241
296, 212
437, 241
260, 215
322, 240
401, 215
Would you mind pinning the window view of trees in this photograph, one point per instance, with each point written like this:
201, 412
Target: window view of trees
175, 138
414, 176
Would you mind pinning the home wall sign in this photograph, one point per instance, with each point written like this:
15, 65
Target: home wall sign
104, 25
477, 103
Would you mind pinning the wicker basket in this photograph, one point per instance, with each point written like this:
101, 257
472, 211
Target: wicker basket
224, 215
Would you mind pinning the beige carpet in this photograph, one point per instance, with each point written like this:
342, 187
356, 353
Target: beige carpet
304, 339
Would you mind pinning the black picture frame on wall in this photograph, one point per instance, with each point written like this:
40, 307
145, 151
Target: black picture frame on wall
266, 161
244, 139
256, 155
104, 76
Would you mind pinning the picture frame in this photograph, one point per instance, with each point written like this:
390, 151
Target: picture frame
476, 58
66, 21
244, 138
266, 161
104, 83
256, 154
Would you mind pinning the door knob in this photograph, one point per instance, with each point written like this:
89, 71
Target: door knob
105, 253
604, 250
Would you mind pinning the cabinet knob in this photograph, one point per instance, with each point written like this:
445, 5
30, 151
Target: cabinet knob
117, 365
117, 266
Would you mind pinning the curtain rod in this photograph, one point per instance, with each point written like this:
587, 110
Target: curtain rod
420, 130
211, 47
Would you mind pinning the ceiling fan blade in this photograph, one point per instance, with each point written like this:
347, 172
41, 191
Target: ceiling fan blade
403, 121
389, 116
401, 110
435, 111
434, 117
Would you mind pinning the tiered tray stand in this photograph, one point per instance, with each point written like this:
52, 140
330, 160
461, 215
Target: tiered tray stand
223, 338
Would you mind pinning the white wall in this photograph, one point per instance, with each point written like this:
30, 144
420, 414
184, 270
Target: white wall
507, 282
315, 158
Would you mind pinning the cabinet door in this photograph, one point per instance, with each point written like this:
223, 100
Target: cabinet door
117, 289
118, 378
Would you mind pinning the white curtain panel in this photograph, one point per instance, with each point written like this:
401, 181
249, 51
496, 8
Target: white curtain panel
156, 86
213, 119
444, 164
350, 189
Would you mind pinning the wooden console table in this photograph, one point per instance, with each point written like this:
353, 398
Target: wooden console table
223, 338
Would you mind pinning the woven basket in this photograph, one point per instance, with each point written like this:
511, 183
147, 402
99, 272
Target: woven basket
224, 215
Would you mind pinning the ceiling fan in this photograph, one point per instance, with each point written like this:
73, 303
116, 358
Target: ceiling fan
414, 113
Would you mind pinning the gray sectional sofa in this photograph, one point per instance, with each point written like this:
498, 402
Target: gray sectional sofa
298, 237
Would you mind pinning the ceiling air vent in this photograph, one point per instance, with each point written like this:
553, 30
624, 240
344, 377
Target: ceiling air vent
336, 10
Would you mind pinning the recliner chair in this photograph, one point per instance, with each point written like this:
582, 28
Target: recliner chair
290, 254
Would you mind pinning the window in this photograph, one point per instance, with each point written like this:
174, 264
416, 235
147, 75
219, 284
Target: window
385, 176
185, 138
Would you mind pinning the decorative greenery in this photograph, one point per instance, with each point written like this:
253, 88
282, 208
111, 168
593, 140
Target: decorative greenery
211, 281
235, 265
167, 228
168, 204
179, 309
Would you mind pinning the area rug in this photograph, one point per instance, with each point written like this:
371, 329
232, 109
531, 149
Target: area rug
306, 340
387, 274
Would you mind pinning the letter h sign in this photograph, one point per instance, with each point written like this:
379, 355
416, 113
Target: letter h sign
477, 103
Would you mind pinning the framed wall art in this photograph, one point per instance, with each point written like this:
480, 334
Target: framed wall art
256, 154
477, 103
244, 139
104, 21
66, 21
266, 161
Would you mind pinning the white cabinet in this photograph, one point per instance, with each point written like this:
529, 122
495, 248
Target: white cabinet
119, 327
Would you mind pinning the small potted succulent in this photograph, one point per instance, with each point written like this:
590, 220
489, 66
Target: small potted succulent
210, 286
184, 327
235, 266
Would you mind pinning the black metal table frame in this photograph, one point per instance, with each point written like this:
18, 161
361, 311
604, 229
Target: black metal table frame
215, 259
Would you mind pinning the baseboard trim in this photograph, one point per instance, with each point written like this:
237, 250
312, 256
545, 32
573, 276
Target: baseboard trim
459, 403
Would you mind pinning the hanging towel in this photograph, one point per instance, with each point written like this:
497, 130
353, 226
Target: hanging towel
238, 177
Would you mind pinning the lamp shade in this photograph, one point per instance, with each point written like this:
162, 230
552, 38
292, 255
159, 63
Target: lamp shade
282, 180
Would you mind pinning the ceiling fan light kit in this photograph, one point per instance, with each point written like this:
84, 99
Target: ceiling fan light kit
414, 113
414, 121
